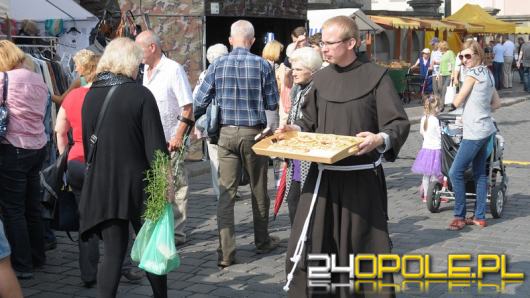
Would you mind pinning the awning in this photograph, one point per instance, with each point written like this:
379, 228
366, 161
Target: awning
522, 30
396, 22
433, 24
474, 14
465, 26
317, 17
40, 10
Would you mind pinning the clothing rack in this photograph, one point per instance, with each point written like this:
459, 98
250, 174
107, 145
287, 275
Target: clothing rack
50, 42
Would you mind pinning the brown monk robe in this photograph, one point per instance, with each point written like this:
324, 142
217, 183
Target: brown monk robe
350, 215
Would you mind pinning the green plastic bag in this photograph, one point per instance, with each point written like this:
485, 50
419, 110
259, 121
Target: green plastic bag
160, 255
141, 241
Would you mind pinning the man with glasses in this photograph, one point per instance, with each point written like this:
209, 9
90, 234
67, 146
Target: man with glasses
355, 98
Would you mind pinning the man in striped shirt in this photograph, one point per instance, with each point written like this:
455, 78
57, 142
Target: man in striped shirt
244, 86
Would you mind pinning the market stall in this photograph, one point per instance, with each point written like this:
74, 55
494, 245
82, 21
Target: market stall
367, 27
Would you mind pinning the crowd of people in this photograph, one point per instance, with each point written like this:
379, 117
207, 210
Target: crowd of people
133, 100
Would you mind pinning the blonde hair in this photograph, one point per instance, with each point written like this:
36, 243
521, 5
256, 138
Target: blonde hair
88, 61
347, 26
272, 51
430, 107
443, 46
121, 56
475, 47
11, 56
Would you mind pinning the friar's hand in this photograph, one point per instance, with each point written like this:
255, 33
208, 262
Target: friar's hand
370, 142
287, 127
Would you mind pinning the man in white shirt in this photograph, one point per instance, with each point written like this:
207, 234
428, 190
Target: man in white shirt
168, 82
507, 77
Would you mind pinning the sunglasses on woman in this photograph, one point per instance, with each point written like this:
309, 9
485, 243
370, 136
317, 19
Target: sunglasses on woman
467, 56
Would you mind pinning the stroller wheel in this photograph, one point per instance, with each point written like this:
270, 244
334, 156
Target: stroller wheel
433, 196
497, 199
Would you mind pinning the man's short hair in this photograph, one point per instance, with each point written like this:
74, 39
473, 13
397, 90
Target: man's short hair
243, 29
150, 37
347, 26
298, 31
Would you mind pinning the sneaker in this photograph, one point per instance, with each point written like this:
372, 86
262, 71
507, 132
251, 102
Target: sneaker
132, 275
274, 242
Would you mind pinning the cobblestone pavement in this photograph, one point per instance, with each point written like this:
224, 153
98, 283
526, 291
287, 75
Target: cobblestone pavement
413, 230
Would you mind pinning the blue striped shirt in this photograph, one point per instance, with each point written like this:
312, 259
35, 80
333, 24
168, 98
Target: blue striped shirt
244, 86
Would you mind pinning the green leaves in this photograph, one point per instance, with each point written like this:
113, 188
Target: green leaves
157, 186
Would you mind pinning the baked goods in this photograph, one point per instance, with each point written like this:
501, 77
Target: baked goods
307, 142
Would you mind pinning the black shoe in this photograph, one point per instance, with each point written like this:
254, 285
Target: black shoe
132, 275
24, 275
273, 244
89, 284
50, 245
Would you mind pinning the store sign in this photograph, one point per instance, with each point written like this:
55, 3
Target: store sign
214, 8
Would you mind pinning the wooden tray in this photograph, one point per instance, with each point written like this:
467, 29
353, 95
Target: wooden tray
265, 147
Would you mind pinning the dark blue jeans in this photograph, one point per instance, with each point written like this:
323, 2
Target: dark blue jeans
497, 74
470, 152
20, 194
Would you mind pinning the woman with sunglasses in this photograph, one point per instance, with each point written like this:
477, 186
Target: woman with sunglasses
479, 98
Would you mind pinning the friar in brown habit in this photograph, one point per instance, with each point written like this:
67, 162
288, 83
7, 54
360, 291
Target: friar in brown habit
355, 98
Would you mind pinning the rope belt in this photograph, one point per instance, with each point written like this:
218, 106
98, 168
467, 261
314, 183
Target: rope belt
303, 236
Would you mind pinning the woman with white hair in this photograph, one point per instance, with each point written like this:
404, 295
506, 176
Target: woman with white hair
129, 134
304, 63
213, 52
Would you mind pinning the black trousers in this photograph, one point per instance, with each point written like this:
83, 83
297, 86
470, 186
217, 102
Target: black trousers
88, 250
115, 235
20, 195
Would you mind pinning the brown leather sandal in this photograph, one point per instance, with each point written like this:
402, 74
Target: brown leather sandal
480, 222
469, 220
457, 224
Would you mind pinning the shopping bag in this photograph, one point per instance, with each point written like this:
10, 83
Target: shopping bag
160, 254
450, 94
141, 241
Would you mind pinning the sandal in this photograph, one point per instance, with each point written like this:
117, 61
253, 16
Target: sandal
457, 224
480, 222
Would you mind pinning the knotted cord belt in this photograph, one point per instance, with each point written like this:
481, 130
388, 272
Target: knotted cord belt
303, 236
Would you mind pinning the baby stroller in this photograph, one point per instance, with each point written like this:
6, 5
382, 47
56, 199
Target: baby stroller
441, 191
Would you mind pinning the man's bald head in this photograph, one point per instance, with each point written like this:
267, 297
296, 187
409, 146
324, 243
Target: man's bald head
241, 34
151, 45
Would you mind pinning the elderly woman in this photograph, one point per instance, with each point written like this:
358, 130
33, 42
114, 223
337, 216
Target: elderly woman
304, 62
424, 62
479, 97
213, 52
69, 118
129, 135
21, 155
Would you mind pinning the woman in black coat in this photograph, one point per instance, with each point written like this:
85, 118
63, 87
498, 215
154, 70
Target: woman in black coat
130, 133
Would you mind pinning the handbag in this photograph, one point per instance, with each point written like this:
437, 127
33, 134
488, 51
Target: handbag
128, 26
450, 94
58, 202
4, 112
213, 118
